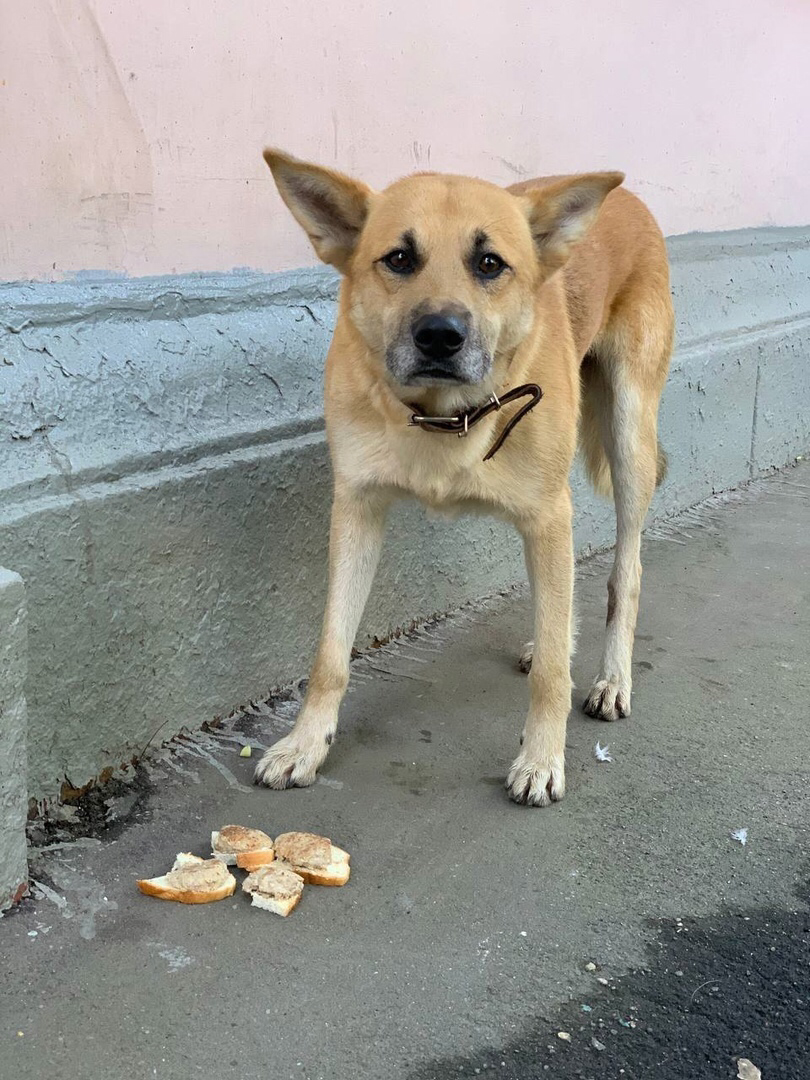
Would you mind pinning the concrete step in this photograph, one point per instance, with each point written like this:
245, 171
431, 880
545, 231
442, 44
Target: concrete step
13, 735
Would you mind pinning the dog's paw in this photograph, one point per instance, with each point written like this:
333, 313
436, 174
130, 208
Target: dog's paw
608, 700
525, 658
536, 782
292, 762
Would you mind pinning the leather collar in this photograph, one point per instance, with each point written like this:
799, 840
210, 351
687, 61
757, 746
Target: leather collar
461, 424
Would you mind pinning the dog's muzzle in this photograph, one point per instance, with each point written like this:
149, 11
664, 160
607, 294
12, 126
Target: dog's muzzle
438, 338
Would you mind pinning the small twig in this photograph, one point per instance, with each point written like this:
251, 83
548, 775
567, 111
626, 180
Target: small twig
151, 737
700, 988
398, 674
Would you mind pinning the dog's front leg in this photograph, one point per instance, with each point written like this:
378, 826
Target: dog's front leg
358, 523
537, 776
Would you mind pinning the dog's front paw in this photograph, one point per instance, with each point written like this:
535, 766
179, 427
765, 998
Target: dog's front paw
536, 781
608, 700
525, 658
292, 762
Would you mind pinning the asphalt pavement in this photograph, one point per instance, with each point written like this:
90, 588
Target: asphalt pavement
624, 932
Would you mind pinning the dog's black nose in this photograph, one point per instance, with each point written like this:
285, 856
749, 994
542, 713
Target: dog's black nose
438, 336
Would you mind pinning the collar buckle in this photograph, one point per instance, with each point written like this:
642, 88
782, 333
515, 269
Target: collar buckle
461, 424
417, 419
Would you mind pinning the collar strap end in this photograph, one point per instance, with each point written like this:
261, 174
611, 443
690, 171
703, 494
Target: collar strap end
461, 425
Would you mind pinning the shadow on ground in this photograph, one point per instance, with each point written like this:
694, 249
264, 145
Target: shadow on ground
733, 985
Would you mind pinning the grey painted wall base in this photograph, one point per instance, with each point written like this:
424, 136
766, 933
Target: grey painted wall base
13, 731
165, 484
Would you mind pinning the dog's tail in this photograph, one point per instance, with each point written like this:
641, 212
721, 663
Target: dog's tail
593, 415
661, 466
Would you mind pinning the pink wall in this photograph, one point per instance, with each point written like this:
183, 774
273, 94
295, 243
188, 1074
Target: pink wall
131, 130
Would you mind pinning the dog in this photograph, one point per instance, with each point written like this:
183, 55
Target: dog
529, 321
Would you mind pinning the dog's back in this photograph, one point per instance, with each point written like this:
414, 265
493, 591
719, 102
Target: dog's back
618, 297
623, 250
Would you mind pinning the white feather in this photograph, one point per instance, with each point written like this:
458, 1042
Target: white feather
740, 835
602, 753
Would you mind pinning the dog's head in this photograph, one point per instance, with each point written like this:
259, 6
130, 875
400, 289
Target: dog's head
442, 269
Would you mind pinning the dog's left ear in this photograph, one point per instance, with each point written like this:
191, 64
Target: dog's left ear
331, 208
561, 213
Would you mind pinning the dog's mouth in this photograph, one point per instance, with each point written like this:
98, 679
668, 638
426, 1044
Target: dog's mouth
435, 376
467, 367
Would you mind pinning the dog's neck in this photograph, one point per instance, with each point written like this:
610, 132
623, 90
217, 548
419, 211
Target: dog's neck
447, 400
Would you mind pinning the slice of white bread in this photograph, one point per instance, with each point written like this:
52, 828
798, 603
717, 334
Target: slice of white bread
315, 858
274, 888
247, 848
192, 880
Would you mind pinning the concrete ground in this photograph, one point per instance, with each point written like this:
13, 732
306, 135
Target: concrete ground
461, 945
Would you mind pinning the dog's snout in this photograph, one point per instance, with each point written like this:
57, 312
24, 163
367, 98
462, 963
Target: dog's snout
438, 343
439, 336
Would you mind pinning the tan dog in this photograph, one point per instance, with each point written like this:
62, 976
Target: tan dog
455, 291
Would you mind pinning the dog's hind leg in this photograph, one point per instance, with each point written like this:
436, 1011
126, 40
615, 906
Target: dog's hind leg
624, 396
358, 523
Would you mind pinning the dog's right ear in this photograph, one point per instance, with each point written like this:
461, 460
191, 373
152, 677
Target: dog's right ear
562, 212
331, 208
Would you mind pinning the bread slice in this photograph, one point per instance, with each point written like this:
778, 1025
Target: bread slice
315, 858
247, 848
191, 880
274, 888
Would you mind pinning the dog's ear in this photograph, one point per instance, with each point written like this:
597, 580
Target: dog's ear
331, 208
561, 213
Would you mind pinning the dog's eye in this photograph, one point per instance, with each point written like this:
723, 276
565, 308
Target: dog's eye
400, 261
490, 265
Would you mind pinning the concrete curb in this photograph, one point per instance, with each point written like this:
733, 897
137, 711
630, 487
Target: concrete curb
13, 732
165, 484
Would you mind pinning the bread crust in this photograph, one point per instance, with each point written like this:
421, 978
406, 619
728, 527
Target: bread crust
274, 888
314, 857
238, 845
164, 888
152, 887
252, 860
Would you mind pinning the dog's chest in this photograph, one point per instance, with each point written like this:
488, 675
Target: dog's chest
439, 481
444, 472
